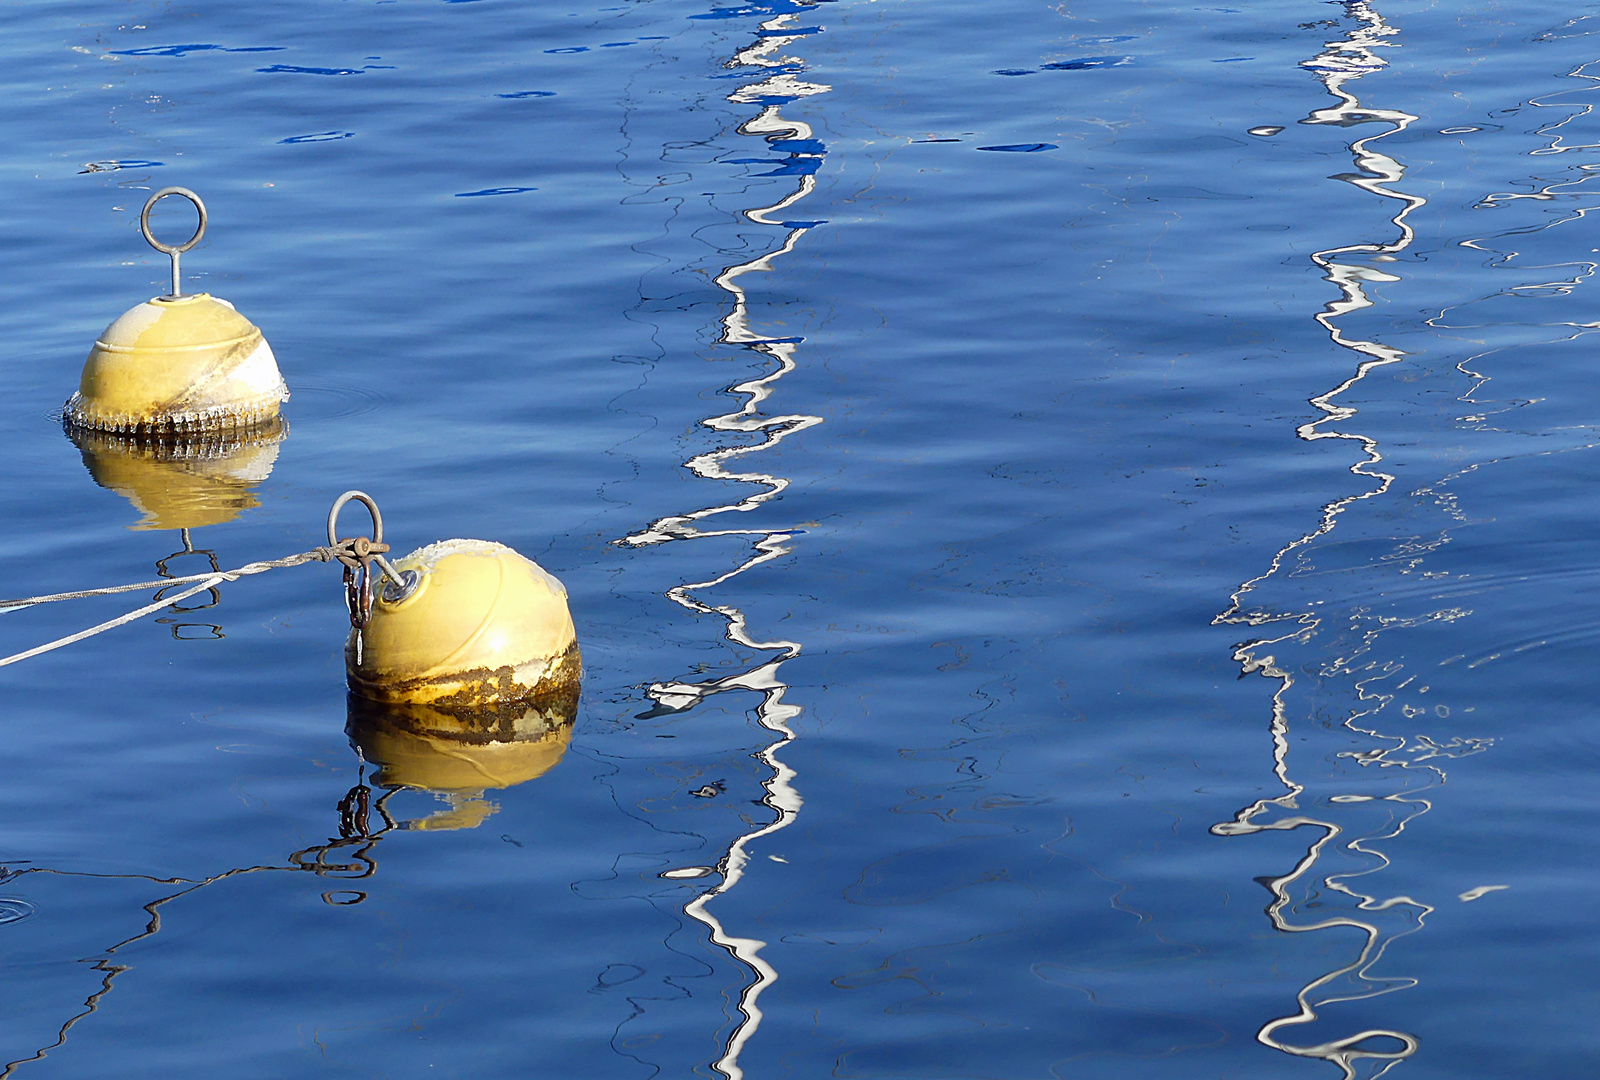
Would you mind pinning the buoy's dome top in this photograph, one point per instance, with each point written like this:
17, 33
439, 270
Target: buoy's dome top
178, 366
177, 322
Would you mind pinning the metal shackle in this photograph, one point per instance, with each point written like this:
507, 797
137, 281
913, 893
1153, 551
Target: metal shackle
373, 548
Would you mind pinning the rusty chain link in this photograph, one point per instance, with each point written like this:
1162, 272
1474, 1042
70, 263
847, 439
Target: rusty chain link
358, 553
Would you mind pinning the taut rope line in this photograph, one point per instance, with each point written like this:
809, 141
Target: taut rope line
356, 553
321, 554
206, 581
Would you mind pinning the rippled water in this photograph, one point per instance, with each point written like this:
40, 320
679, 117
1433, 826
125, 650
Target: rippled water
1077, 517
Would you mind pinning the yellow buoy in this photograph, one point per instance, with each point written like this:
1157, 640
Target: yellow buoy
464, 671
475, 626
177, 365
183, 483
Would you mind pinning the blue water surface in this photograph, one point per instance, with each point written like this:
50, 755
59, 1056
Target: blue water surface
1078, 516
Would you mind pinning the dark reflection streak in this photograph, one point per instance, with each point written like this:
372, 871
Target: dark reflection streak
1340, 63
353, 827
110, 970
781, 86
214, 595
91, 1003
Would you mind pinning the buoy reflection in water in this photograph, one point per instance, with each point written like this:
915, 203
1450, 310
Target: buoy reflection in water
182, 483
459, 753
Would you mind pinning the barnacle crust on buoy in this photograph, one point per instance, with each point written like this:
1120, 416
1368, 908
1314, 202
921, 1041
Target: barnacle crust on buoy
482, 627
178, 365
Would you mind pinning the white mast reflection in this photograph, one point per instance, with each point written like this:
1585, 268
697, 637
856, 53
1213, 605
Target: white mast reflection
1382, 920
764, 678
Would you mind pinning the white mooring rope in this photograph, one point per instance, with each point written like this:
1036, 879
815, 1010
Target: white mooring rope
206, 581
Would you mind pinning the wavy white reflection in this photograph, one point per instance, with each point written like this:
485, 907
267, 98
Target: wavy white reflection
773, 713
1381, 919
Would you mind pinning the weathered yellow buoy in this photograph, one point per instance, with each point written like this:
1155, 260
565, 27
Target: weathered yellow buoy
183, 483
464, 671
475, 626
177, 365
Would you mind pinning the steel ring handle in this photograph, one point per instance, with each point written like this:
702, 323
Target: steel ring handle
144, 220
405, 582
364, 499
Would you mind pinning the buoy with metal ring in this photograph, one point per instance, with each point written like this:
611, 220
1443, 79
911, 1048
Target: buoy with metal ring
177, 365
457, 625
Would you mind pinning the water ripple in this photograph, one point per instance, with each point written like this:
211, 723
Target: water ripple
183, 50
493, 191
321, 136
1088, 63
336, 402
296, 69
113, 166
1022, 148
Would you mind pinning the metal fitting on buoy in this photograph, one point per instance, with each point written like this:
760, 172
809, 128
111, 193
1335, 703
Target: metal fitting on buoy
183, 483
177, 365
458, 625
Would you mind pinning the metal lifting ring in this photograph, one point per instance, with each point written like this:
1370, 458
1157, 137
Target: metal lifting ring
200, 230
364, 545
365, 500
144, 220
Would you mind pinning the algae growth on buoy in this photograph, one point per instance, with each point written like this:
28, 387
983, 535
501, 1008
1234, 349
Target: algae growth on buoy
177, 365
476, 626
